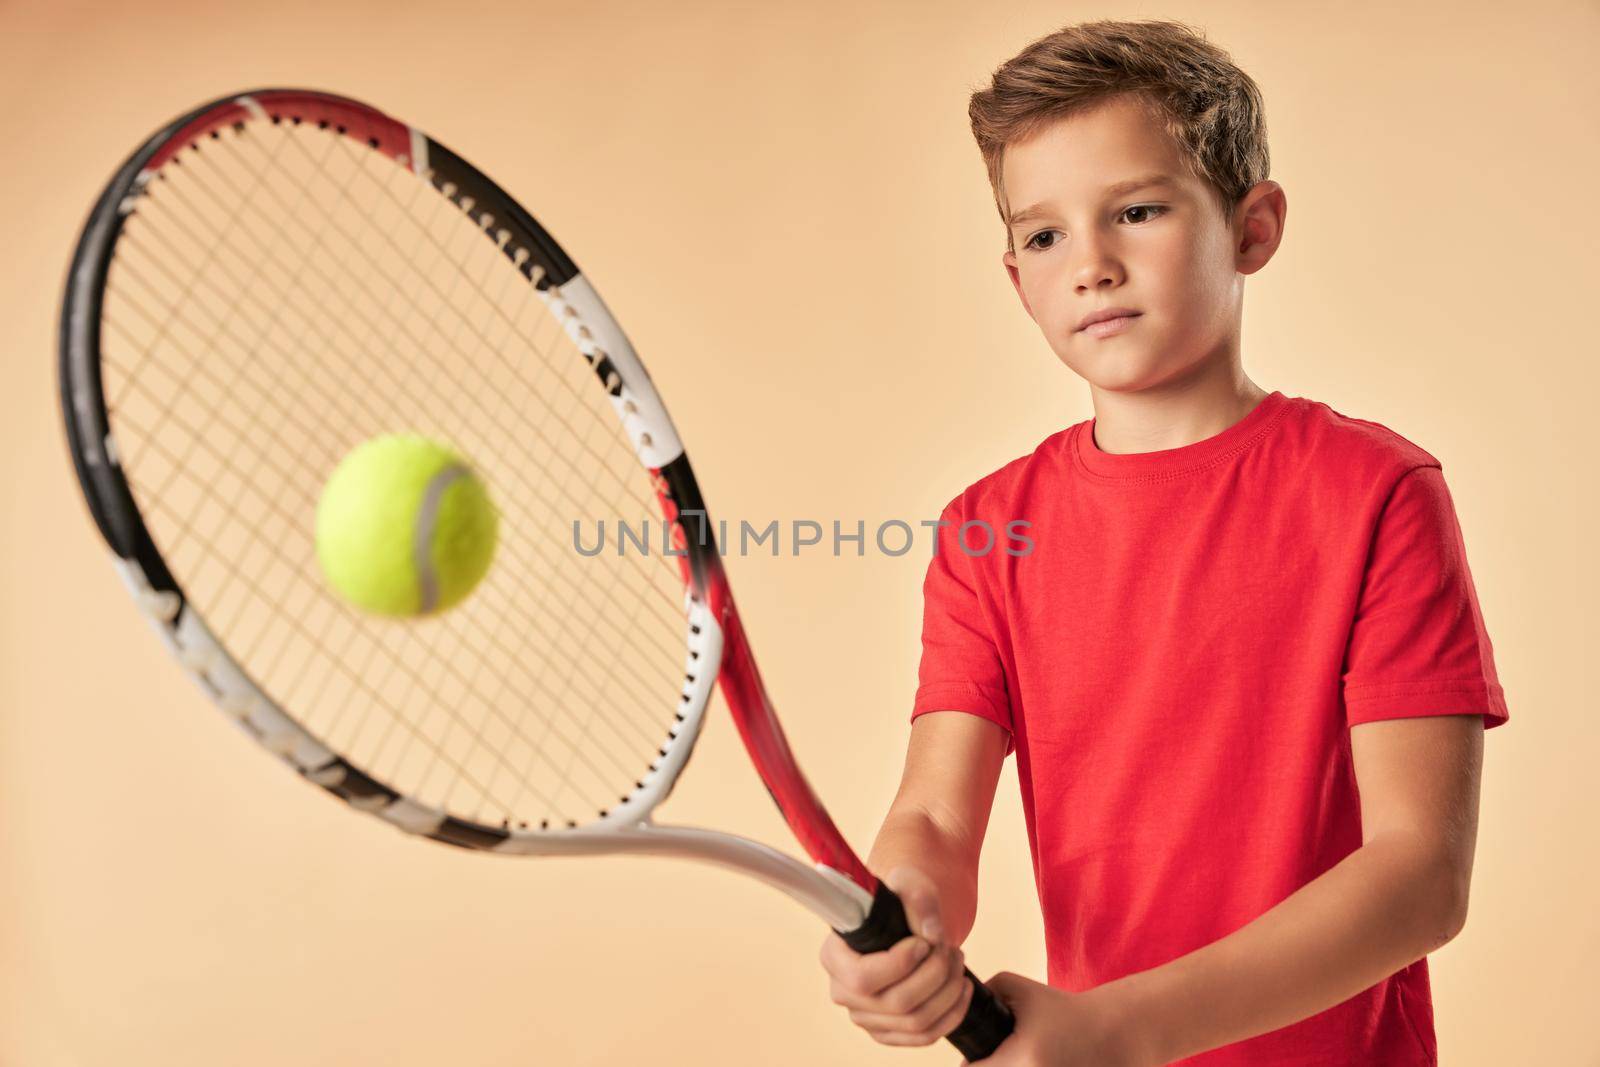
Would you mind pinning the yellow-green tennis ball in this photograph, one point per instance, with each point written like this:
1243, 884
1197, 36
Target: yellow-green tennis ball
404, 527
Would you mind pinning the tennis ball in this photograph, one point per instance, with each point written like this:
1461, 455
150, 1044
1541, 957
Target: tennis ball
404, 527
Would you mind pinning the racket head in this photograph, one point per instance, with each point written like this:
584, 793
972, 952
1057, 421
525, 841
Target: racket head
142, 344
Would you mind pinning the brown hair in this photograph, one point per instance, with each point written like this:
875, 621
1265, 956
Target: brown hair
1192, 89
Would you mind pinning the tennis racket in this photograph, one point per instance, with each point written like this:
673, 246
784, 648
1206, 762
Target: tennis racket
280, 275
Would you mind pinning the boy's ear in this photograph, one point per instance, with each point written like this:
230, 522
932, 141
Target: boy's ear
1258, 225
1010, 261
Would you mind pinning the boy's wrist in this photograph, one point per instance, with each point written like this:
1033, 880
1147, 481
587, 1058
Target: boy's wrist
1133, 1021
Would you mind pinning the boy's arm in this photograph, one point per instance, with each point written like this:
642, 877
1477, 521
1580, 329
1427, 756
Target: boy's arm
1399, 896
938, 818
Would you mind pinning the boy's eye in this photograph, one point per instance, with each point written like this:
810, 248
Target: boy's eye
1146, 208
1149, 212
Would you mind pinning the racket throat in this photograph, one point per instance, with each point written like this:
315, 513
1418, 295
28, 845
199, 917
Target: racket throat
836, 899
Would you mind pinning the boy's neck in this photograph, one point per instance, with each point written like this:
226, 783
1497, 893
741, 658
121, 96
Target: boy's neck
1175, 414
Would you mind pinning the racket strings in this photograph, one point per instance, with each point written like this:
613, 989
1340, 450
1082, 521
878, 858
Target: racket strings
275, 301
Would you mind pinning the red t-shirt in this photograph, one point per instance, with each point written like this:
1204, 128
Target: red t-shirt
1179, 649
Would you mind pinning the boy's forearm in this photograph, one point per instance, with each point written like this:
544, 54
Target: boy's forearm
913, 838
1381, 908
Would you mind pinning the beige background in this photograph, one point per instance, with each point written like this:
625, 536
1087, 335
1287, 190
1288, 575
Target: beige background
784, 206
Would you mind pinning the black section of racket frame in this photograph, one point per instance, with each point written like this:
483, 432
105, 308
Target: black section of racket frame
447, 168
83, 406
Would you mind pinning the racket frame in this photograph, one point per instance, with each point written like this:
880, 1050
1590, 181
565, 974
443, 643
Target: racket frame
836, 886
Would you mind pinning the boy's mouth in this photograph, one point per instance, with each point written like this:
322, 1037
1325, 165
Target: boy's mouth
1107, 321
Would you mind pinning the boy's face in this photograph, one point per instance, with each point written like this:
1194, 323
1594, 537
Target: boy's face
1163, 251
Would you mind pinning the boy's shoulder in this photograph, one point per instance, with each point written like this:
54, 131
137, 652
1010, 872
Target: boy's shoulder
1348, 448
1311, 437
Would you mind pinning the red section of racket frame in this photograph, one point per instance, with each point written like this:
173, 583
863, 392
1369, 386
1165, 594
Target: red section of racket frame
700, 564
752, 712
354, 120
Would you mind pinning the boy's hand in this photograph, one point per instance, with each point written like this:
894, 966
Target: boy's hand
912, 993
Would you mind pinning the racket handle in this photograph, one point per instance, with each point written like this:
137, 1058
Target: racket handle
987, 1022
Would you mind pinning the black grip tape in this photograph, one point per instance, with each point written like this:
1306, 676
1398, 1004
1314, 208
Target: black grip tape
987, 1022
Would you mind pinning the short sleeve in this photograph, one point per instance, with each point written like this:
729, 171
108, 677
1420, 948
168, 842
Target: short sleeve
1418, 645
960, 668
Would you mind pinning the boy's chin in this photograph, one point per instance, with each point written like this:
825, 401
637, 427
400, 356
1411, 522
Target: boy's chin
1126, 370
1131, 368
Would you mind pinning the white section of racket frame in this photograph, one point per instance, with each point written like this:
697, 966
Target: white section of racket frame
591, 327
625, 830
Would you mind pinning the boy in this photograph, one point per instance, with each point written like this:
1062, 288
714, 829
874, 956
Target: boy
1243, 667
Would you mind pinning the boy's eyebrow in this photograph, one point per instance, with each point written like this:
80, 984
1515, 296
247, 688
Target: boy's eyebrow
1034, 211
